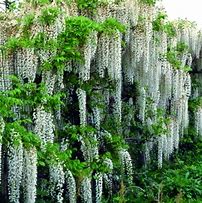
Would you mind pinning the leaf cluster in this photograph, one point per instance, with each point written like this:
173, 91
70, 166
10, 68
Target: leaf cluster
194, 104
173, 56
161, 24
89, 5
149, 2
49, 15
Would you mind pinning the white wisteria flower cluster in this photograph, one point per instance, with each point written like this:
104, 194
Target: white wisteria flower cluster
198, 121
57, 179
15, 167
29, 180
44, 125
71, 186
127, 165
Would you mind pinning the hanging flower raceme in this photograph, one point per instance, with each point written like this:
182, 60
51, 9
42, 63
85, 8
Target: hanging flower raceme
168, 82
57, 180
108, 177
187, 85
98, 187
198, 121
29, 181
170, 135
126, 164
147, 151
176, 136
114, 63
49, 78
71, 186
82, 105
89, 50
86, 190
137, 48
44, 126
175, 84
96, 117
89, 147
26, 64
165, 147
84, 69
15, 166
160, 151
185, 114
102, 56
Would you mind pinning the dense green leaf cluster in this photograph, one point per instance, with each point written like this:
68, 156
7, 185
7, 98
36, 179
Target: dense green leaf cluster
49, 15
174, 54
194, 104
149, 2
87, 4
161, 24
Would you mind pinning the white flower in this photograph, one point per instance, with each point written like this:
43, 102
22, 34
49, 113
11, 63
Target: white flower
82, 105
98, 187
15, 168
57, 180
44, 126
71, 186
86, 190
126, 164
30, 175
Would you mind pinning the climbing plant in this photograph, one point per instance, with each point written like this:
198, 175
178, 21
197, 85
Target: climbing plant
91, 91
